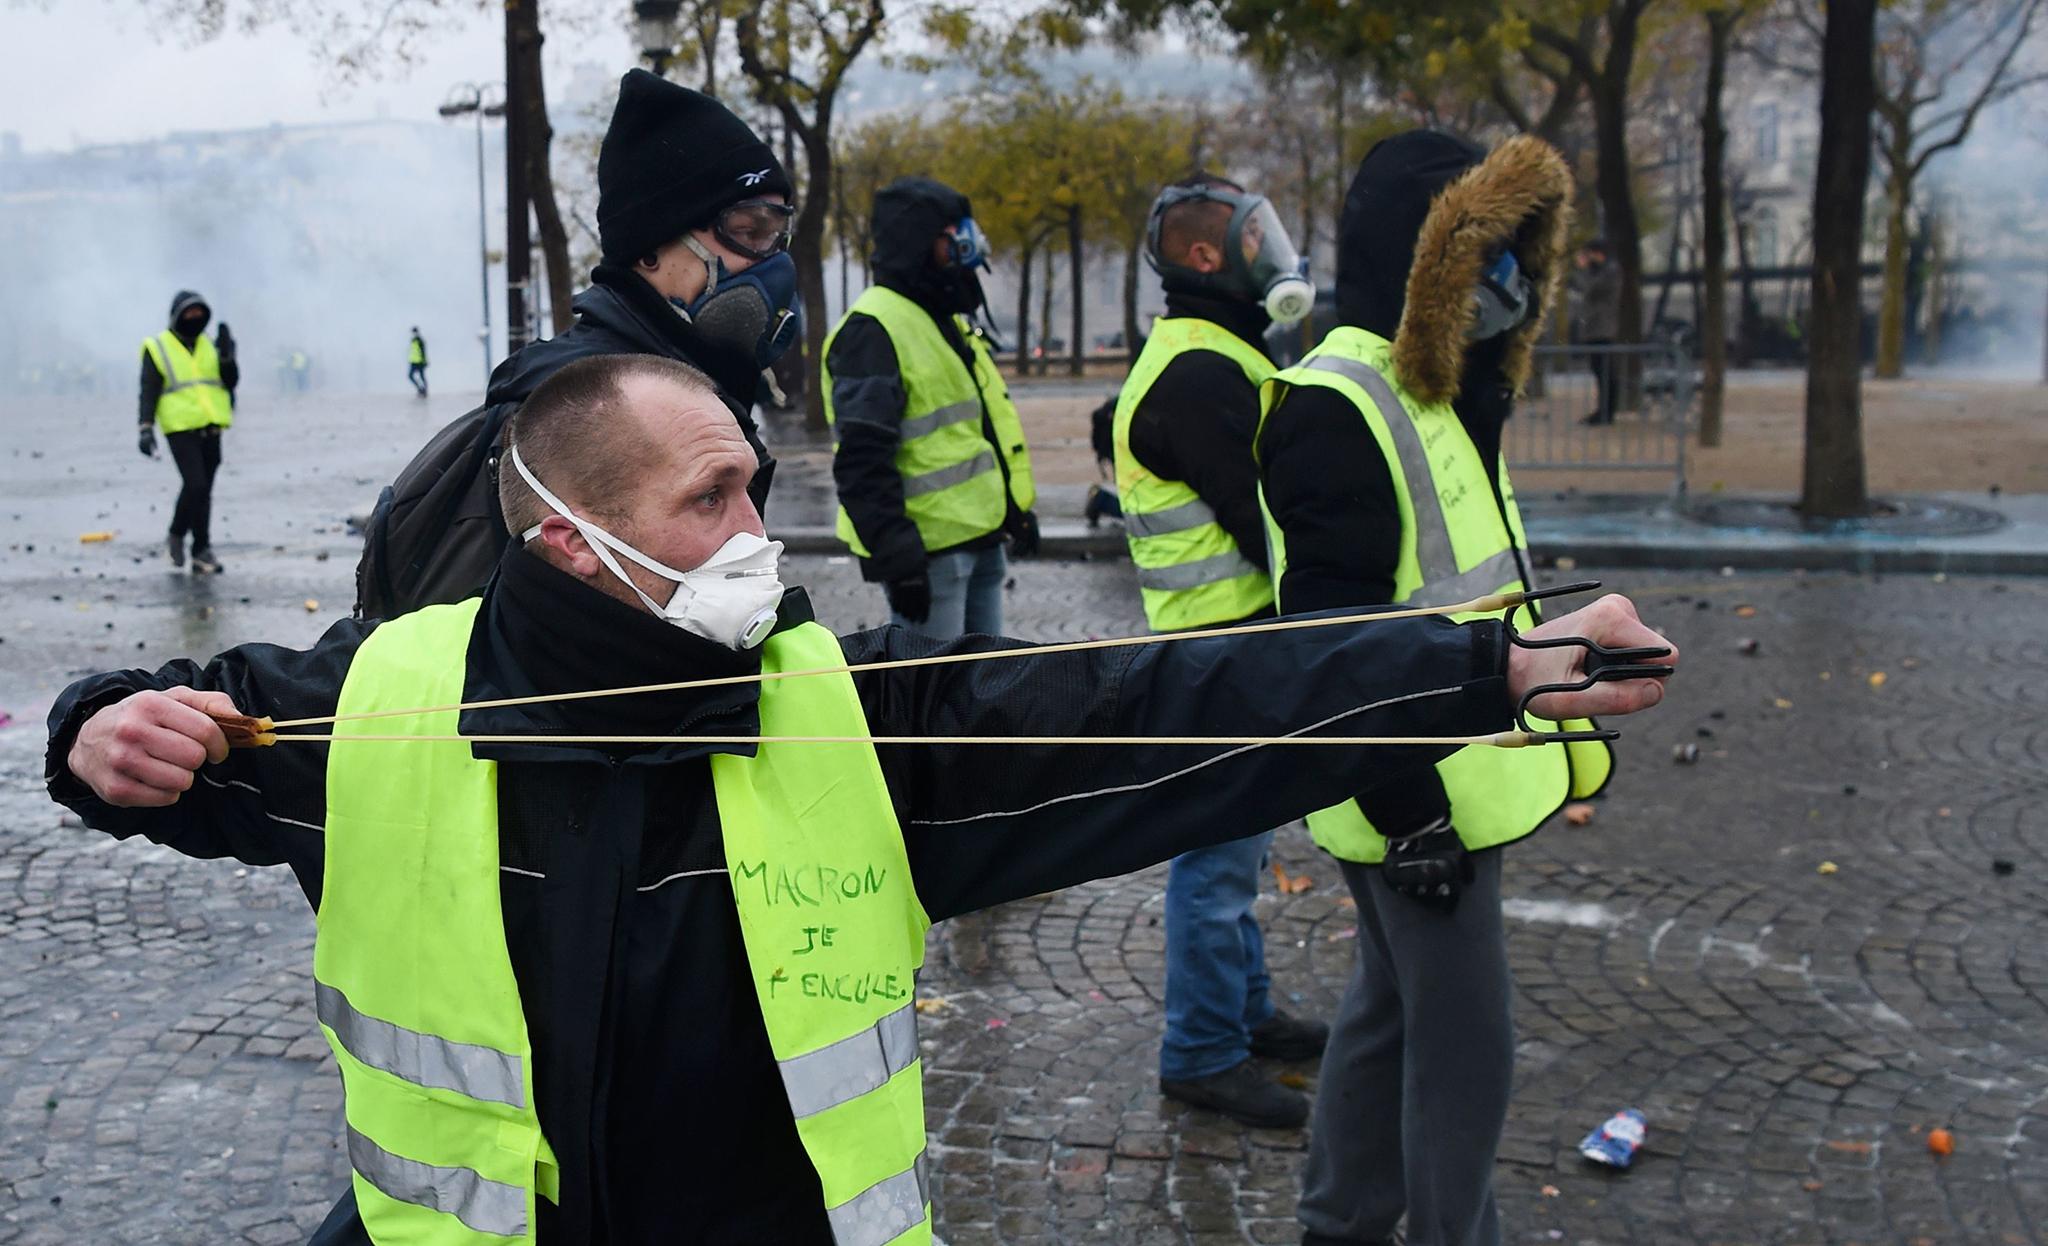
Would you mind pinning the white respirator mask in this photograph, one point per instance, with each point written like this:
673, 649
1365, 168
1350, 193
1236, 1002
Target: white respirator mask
731, 599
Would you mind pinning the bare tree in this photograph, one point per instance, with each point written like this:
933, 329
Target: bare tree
1721, 21
1834, 484
795, 57
1939, 65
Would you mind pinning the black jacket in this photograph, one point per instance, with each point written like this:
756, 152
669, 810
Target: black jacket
150, 385
436, 534
653, 1073
1329, 485
1196, 423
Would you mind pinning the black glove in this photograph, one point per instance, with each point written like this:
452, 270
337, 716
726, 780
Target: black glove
145, 440
1023, 530
910, 597
1429, 866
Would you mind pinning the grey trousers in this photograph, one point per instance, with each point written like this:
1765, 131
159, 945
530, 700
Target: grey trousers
1414, 1084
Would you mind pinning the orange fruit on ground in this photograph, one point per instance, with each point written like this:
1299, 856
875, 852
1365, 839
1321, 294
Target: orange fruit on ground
1941, 1142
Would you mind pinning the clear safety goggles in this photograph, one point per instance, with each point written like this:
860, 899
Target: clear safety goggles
757, 228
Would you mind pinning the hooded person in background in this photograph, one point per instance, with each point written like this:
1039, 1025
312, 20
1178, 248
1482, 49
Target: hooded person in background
1189, 487
1380, 467
416, 362
930, 462
188, 389
693, 219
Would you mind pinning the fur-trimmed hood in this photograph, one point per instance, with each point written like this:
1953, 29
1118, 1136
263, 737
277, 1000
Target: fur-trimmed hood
1419, 220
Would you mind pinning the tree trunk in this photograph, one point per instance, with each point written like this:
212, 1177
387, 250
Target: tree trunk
1342, 180
1024, 309
1045, 316
1748, 314
540, 188
1891, 311
1714, 230
1617, 196
806, 246
1075, 352
1834, 483
1131, 342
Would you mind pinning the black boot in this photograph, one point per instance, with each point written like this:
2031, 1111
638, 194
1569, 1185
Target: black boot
1282, 1037
1244, 1094
174, 545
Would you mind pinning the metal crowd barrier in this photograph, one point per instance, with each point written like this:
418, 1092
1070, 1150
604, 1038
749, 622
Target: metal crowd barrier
1649, 420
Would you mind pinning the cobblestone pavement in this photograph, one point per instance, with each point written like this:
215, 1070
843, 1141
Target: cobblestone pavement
1790, 1034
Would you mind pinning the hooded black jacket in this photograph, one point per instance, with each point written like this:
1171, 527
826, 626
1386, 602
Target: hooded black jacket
151, 384
867, 385
653, 1074
1196, 423
1330, 488
436, 534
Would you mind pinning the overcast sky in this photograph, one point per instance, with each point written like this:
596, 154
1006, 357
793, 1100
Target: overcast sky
91, 71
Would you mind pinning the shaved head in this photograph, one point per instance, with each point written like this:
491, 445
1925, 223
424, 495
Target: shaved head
587, 441
641, 446
1185, 224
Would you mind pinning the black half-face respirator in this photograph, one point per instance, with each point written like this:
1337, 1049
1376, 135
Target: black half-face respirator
1260, 264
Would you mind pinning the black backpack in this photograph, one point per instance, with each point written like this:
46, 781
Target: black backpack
436, 534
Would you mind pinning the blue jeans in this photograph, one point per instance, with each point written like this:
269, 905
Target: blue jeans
967, 594
1216, 982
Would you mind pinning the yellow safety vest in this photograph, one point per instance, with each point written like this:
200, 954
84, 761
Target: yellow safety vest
193, 395
952, 475
416, 993
1190, 572
1455, 545
416, 353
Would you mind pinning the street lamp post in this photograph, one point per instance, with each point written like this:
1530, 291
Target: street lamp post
654, 24
478, 98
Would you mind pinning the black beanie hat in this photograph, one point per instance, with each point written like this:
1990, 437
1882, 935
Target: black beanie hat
672, 158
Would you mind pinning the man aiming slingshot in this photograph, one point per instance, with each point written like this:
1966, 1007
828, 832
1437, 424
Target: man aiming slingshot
602, 966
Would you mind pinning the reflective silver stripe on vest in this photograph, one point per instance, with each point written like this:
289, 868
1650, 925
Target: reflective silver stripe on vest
173, 385
484, 1205
947, 477
1488, 577
1213, 570
932, 421
1173, 519
851, 1067
1433, 557
884, 1211
422, 1059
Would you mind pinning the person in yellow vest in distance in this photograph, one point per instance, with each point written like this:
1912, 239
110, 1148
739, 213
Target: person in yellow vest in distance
1381, 472
416, 362
1190, 492
188, 390
582, 990
929, 458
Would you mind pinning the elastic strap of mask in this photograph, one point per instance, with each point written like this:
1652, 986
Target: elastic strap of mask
599, 539
713, 270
